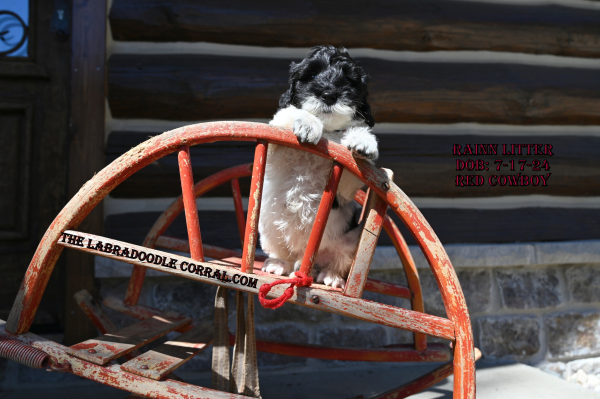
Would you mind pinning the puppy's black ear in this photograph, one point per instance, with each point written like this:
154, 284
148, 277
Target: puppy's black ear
288, 98
364, 111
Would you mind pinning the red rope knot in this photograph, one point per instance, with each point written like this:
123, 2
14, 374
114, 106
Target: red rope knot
300, 280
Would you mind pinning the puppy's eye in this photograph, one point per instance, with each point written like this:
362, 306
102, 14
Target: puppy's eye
312, 77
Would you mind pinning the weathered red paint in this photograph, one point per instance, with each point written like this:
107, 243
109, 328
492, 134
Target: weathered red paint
112, 374
189, 202
400, 353
94, 312
385, 288
256, 187
396, 353
164, 359
330, 299
239, 208
168, 216
412, 276
318, 229
408, 263
95, 190
110, 346
374, 212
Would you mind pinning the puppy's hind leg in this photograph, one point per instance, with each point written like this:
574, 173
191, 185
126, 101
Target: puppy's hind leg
337, 259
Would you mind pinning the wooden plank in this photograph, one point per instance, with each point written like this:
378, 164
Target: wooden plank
256, 188
330, 300
98, 317
197, 87
113, 376
424, 165
374, 214
86, 153
435, 352
108, 347
94, 312
181, 245
435, 25
450, 224
169, 356
392, 353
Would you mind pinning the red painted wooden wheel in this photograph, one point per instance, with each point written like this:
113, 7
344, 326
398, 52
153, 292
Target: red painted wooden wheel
61, 233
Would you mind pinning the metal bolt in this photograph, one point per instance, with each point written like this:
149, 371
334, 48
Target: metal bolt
144, 367
92, 351
315, 299
386, 185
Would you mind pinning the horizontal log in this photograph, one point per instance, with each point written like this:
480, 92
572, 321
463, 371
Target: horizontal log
161, 178
424, 165
451, 225
414, 26
201, 87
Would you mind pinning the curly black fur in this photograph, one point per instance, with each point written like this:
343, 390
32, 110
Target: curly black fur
330, 74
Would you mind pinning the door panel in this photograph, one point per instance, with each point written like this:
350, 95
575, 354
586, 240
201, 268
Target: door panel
34, 133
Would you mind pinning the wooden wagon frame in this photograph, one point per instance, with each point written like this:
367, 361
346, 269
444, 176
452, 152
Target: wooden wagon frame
94, 359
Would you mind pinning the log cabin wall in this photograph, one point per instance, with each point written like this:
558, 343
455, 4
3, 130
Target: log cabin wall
443, 72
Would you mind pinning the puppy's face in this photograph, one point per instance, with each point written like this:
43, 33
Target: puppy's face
330, 85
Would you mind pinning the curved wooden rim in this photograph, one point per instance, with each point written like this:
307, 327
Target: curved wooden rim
42, 264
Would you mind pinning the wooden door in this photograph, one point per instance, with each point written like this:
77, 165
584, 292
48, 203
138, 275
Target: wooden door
34, 141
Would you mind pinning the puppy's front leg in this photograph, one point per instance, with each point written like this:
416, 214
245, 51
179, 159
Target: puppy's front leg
361, 142
307, 127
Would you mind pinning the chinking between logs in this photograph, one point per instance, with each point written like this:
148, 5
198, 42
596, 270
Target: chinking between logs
156, 259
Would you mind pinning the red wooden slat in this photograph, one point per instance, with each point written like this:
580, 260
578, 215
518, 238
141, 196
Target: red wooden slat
239, 208
110, 346
385, 288
375, 209
397, 353
94, 312
412, 276
316, 234
166, 218
189, 202
410, 269
256, 187
164, 359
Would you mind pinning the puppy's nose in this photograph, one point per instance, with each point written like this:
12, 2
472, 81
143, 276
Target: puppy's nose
329, 97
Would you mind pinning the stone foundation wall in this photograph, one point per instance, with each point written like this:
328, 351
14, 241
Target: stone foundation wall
534, 303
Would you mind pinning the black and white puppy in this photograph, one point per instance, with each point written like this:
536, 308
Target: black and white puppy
327, 98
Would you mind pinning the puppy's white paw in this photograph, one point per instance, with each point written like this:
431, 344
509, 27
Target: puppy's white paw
277, 266
332, 279
362, 143
308, 128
